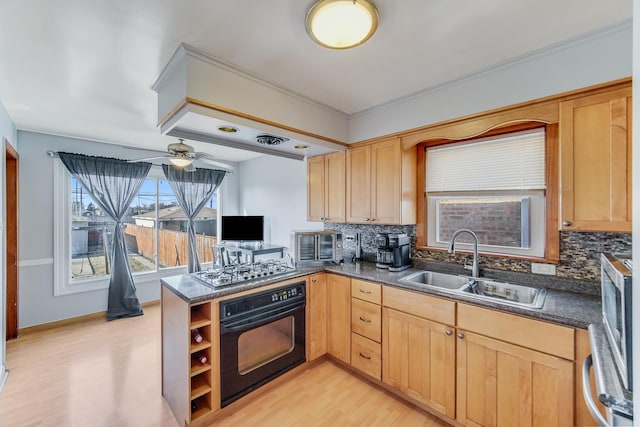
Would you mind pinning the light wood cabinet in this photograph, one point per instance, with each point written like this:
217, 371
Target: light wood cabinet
513, 370
339, 317
366, 327
326, 187
195, 395
381, 184
595, 162
500, 384
316, 316
419, 359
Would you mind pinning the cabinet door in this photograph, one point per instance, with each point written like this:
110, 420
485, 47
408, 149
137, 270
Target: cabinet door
317, 316
418, 358
335, 171
386, 175
595, 149
315, 189
359, 184
500, 384
339, 317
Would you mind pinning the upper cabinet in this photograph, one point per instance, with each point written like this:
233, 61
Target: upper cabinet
595, 162
326, 187
381, 183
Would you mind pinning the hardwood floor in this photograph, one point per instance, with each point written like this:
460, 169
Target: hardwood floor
107, 374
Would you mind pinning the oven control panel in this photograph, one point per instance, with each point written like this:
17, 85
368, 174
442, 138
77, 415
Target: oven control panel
255, 302
284, 294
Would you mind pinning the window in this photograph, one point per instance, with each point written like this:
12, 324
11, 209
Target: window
155, 233
493, 186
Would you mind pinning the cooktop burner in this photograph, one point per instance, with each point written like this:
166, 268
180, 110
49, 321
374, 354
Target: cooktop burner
236, 273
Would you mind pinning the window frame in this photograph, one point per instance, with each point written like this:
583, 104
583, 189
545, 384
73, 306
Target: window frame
552, 147
63, 285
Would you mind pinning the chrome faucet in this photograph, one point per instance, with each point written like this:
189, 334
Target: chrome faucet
475, 270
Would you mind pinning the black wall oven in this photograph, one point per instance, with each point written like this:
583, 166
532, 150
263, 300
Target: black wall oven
262, 335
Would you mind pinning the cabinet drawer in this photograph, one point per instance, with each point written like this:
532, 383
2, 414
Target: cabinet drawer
366, 319
366, 356
367, 291
534, 334
425, 306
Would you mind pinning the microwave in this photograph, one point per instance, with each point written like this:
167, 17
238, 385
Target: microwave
316, 247
616, 274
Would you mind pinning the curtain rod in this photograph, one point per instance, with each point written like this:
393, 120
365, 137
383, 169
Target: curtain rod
54, 155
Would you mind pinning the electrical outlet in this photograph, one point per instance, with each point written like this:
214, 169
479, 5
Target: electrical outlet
538, 268
349, 238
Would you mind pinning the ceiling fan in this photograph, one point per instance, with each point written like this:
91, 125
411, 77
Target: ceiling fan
182, 155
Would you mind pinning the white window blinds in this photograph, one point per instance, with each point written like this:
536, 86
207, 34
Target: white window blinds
512, 162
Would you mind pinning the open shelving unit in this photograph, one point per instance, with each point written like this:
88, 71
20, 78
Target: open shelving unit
200, 374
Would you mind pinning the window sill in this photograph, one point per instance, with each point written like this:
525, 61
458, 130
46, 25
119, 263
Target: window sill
90, 285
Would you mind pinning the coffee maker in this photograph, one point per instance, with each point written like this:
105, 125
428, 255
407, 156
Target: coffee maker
394, 251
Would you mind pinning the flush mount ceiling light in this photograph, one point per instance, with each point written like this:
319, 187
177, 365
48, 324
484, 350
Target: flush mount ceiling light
341, 24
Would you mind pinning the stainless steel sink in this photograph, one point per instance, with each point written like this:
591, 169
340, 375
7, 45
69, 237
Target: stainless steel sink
485, 289
506, 293
438, 280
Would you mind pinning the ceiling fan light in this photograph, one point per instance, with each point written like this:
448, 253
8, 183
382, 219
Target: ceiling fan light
180, 161
342, 24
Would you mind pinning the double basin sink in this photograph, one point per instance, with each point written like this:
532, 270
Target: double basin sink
484, 289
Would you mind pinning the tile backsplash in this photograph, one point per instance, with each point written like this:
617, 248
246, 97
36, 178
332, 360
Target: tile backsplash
579, 251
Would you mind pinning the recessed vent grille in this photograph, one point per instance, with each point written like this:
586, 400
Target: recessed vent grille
267, 139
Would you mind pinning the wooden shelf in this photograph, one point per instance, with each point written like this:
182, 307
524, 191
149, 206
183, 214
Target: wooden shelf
199, 346
197, 368
201, 411
198, 320
199, 386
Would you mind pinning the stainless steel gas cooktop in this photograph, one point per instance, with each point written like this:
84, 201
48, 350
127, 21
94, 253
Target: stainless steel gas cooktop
236, 273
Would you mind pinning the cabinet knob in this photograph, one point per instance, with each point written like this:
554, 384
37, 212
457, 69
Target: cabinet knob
313, 280
460, 335
566, 223
448, 332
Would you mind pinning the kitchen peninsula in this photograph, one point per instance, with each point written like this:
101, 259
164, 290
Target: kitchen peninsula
338, 298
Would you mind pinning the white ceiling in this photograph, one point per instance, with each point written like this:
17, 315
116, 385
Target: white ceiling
84, 68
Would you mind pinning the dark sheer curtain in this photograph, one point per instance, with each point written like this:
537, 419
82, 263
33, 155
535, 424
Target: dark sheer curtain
113, 184
193, 190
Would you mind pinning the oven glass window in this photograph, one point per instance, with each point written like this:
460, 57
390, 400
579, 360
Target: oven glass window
261, 345
325, 246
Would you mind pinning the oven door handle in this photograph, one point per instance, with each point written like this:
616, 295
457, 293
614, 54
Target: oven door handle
588, 397
261, 319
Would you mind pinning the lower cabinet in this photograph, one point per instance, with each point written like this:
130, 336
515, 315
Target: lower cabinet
418, 359
339, 317
500, 384
316, 316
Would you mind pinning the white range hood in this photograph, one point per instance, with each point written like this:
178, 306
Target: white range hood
198, 96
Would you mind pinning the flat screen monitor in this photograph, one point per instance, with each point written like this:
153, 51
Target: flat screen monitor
243, 228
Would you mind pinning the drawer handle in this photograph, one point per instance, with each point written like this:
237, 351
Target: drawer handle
364, 292
365, 357
365, 320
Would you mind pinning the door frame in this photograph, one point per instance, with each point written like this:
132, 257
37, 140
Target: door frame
11, 227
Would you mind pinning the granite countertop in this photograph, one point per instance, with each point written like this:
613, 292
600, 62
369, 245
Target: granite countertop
562, 307
609, 386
